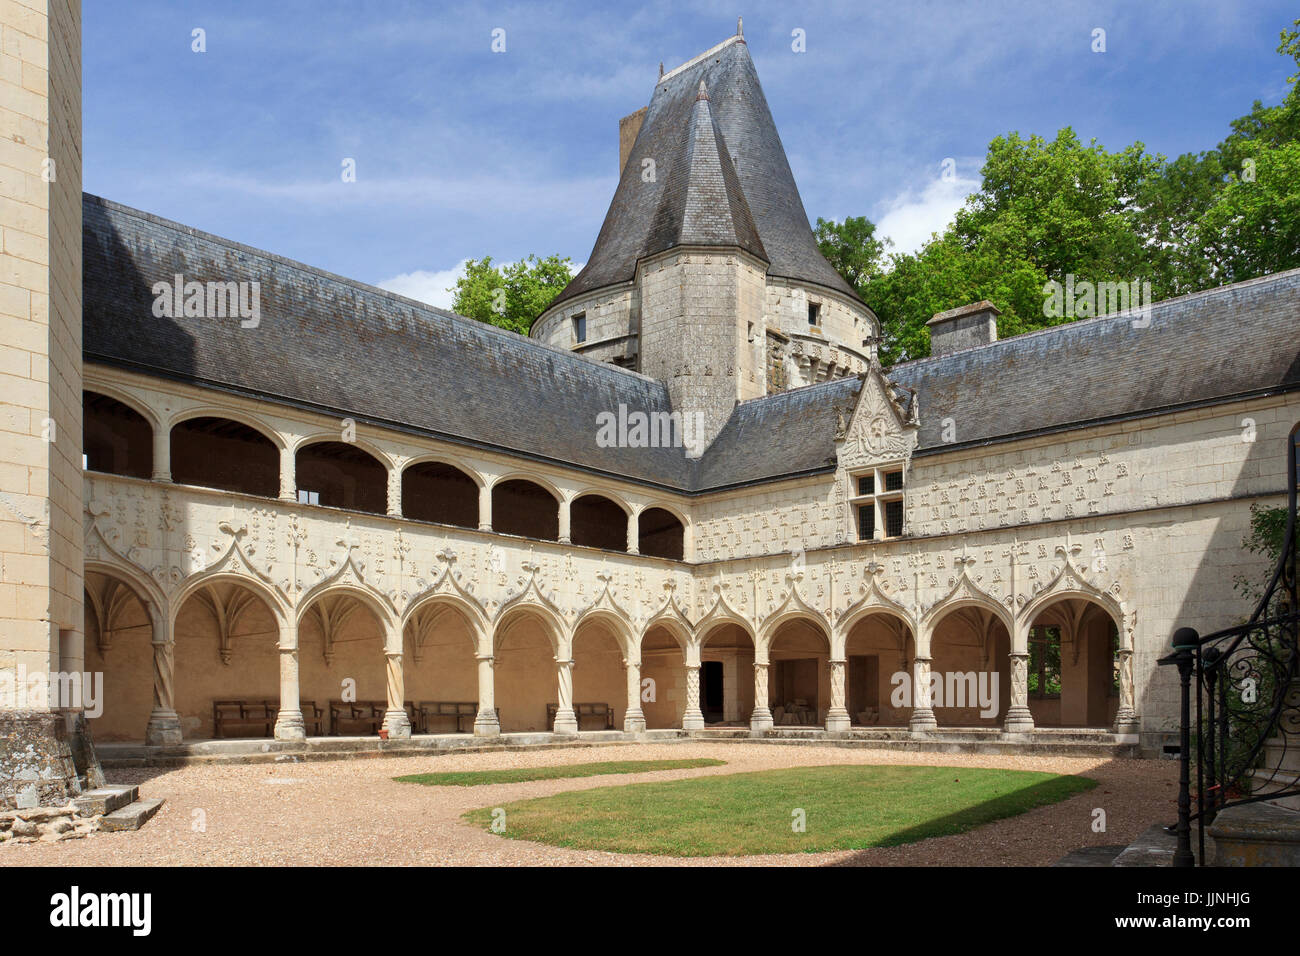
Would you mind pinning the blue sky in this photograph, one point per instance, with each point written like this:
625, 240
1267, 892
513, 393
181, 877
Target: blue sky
462, 152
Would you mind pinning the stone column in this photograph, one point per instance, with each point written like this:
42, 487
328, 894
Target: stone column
486, 723
395, 719
1126, 717
633, 719
566, 722
760, 719
162, 454
693, 718
289, 724
164, 727
922, 706
633, 533
837, 717
1019, 720
288, 474
565, 534
485, 508
395, 492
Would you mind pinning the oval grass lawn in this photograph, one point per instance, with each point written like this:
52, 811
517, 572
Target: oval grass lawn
841, 808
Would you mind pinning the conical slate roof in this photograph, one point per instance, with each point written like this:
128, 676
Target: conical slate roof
742, 175
702, 203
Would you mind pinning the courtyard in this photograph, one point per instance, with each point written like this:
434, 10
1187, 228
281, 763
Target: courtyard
354, 813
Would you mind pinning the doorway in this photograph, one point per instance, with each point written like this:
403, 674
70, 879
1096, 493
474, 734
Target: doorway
711, 691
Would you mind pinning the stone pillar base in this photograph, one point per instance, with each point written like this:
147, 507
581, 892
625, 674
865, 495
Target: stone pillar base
1019, 721
164, 730
634, 722
487, 725
760, 721
837, 720
922, 721
289, 725
565, 723
1128, 723
693, 721
397, 724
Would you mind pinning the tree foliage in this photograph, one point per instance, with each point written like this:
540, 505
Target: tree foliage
1048, 208
511, 296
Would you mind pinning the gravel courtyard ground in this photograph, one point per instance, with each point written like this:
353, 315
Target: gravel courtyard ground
352, 813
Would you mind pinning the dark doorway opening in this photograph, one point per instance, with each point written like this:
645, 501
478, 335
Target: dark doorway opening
711, 691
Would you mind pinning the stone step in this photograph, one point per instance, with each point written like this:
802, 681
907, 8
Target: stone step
1264, 782
131, 817
1155, 847
104, 800
1279, 756
1091, 856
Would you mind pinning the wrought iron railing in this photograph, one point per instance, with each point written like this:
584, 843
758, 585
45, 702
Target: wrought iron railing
1240, 707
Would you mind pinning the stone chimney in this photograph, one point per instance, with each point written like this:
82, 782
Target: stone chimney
964, 327
628, 127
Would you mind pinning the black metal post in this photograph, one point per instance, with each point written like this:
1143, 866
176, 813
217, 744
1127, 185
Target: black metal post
1185, 641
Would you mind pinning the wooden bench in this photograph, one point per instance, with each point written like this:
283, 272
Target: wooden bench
590, 709
260, 714
455, 711
313, 718
368, 713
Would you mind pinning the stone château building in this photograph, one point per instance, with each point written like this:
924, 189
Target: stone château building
354, 495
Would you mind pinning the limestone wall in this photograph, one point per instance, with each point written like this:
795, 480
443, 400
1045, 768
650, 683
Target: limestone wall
702, 330
40, 337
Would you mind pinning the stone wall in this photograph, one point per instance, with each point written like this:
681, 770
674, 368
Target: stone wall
41, 536
702, 330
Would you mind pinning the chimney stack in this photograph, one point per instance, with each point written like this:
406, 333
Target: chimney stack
964, 327
628, 127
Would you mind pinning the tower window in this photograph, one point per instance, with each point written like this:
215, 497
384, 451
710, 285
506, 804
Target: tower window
580, 327
814, 313
878, 504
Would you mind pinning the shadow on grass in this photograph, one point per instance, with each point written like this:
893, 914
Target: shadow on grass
1041, 794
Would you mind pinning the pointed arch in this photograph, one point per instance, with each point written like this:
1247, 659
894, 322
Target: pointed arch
1069, 583
223, 573
520, 607
468, 609
966, 593
617, 624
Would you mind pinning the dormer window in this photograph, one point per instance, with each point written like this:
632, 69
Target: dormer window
579, 327
878, 502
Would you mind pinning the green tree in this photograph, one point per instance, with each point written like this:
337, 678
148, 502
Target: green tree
1253, 227
1048, 208
513, 296
852, 248
1266, 538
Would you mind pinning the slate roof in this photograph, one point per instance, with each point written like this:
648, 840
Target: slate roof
633, 228
351, 350
779, 435
702, 203
1210, 346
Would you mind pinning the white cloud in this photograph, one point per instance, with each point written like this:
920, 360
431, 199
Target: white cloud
434, 287
914, 214
425, 286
